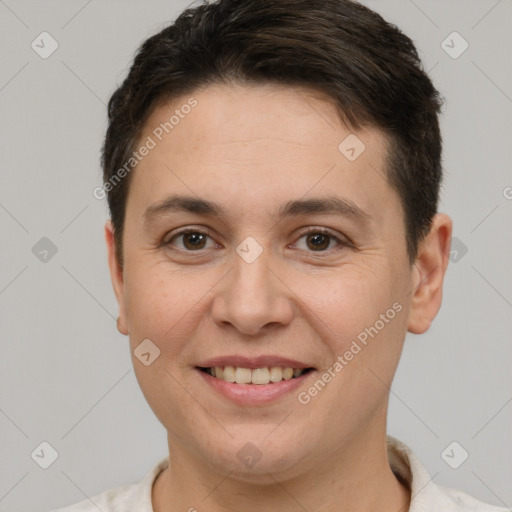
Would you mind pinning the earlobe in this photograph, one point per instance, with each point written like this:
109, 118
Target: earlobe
120, 327
116, 275
428, 274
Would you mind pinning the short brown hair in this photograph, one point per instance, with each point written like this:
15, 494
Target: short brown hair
368, 68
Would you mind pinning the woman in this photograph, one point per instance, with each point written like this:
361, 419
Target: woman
272, 170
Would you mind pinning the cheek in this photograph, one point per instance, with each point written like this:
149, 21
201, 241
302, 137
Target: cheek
345, 303
163, 307
153, 300
360, 318
166, 306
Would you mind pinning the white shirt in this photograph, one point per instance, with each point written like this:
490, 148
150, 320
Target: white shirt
426, 496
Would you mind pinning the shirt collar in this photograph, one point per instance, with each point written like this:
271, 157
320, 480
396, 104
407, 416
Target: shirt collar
405, 465
409, 470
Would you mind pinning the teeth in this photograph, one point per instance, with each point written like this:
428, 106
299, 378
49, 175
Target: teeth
276, 374
243, 376
228, 374
263, 375
287, 373
260, 376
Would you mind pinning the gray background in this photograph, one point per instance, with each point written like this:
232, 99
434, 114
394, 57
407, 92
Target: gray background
66, 374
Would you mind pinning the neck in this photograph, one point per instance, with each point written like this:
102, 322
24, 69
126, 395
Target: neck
357, 477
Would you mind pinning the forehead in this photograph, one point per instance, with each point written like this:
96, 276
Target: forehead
254, 145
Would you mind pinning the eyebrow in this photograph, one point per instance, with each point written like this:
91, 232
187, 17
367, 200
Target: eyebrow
325, 205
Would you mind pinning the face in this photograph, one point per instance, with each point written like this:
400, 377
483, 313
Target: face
289, 252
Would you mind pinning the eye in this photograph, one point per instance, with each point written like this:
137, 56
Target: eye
192, 240
320, 240
316, 240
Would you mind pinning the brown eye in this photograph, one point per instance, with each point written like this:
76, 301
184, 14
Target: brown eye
194, 240
318, 240
191, 240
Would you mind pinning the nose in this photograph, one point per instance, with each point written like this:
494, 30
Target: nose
253, 296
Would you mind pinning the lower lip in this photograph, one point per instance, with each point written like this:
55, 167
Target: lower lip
254, 394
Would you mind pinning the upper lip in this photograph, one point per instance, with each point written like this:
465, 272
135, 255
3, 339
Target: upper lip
253, 362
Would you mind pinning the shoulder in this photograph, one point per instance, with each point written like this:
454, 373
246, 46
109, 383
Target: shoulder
124, 498
460, 501
116, 499
426, 495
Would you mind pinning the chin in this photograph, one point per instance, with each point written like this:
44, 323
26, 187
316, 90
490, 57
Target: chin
252, 456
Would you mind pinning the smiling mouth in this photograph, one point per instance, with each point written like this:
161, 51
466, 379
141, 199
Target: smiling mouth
264, 375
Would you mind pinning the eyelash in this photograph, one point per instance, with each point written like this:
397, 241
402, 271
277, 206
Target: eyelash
340, 243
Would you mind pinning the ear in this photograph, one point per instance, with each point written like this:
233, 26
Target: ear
116, 275
429, 270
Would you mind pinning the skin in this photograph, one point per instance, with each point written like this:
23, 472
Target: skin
251, 149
